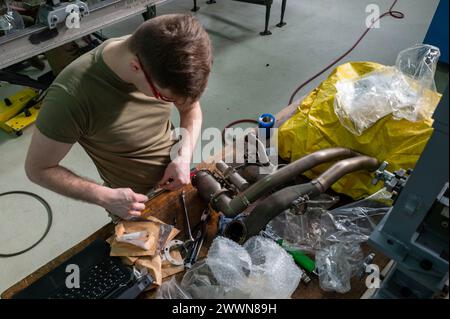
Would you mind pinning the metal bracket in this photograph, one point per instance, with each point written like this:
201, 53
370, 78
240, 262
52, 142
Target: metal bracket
394, 182
173, 244
300, 205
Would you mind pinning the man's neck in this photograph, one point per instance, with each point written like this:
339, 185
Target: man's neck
117, 57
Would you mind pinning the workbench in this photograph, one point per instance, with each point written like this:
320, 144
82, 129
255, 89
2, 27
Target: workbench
266, 3
16, 47
167, 207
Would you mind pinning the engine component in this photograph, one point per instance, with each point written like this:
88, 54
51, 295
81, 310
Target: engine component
242, 229
212, 191
232, 176
285, 174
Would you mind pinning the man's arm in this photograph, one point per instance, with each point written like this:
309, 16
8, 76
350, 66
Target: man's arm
179, 169
42, 167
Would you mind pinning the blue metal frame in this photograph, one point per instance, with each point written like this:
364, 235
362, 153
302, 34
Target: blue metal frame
415, 231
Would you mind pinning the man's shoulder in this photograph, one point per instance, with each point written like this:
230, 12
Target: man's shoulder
78, 73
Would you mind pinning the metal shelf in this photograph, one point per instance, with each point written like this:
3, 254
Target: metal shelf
16, 47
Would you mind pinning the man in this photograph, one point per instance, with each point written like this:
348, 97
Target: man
115, 101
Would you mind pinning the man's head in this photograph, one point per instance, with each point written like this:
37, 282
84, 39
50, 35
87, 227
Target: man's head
173, 53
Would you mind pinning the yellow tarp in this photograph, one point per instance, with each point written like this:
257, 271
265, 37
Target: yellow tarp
315, 126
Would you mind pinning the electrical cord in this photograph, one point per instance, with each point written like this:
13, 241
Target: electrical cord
49, 221
252, 121
391, 12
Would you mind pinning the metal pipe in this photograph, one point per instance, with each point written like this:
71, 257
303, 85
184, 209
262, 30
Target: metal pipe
232, 176
263, 186
211, 191
335, 172
272, 206
269, 208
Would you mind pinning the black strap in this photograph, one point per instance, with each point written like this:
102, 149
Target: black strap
49, 220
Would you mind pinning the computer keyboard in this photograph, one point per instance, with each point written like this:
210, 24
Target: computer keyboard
97, 282
101, 277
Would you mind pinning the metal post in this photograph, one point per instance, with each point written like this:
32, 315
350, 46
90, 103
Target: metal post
266, 28
283, 10
149, 13
195, 8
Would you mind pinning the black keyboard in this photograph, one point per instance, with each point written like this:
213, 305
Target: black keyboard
101, 277
98, 282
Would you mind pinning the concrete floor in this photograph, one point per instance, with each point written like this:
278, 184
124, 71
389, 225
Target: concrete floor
251, 75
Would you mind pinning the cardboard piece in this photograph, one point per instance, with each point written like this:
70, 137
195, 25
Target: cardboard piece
128, 227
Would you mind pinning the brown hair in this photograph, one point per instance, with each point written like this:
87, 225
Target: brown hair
175, 49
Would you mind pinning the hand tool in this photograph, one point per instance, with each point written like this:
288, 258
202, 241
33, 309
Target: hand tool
155, 191
192, 257
158, 189
186, 215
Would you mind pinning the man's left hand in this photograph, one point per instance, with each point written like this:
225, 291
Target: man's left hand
176, 175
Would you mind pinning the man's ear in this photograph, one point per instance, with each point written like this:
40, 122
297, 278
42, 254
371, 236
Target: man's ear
135, 66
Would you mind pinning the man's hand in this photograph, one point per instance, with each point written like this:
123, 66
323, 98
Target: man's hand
123, 202
176, 175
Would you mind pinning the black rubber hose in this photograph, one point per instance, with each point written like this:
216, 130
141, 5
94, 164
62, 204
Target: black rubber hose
49, 221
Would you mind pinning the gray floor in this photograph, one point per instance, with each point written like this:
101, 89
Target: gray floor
251, 75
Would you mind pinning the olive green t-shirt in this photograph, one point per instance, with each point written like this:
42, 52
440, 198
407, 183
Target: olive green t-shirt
126, 133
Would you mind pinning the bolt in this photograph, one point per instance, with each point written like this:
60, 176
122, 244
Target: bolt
426, 264
305, 278
444, 224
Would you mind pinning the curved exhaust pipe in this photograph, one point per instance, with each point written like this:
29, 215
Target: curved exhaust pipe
211, 190
283, 175
275, 204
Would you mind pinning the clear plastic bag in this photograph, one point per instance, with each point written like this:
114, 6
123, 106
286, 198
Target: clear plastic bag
406, 90
303, 231
10, 20
343, 230
274, 273
172, 290
336, 264
353, 223
259, 269
230, 262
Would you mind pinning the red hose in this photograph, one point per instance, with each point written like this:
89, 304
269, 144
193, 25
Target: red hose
393, 13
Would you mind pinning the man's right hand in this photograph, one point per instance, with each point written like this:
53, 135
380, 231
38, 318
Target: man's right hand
123, 202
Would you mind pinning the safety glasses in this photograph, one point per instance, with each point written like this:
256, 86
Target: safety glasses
155, 91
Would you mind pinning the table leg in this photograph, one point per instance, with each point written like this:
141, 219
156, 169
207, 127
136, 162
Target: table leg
195, 8
283, 10
266, 28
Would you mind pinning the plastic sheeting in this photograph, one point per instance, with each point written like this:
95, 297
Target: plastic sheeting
315, 126
334, 236
406, 90
260, 269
